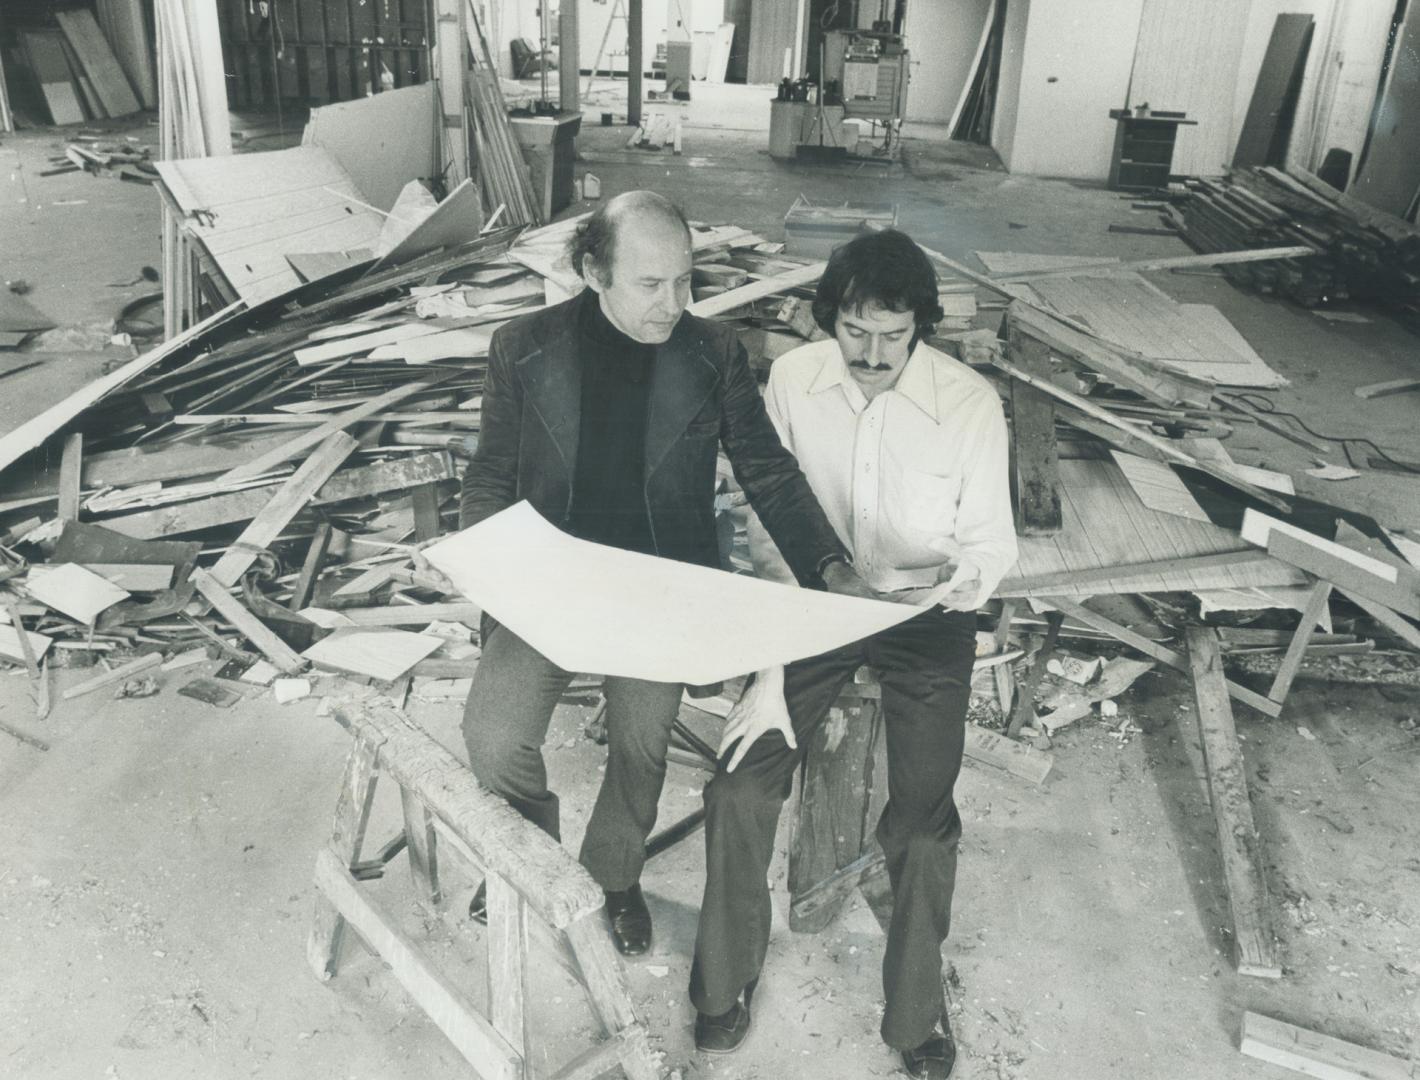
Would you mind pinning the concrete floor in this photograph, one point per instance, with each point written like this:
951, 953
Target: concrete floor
155, 863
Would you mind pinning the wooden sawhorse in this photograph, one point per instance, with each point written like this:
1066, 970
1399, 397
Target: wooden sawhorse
534, 888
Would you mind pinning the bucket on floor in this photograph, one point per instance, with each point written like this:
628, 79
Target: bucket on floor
591, 187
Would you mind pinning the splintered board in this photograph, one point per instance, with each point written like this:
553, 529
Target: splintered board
1105, 525
381, 654
249, 210
1018, 262
1127, 310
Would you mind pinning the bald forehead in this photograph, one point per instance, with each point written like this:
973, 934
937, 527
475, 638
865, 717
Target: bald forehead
644, 213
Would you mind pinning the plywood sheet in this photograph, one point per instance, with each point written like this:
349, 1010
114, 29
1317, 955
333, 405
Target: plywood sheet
601, 610
81, 594
1106, 525
1389, 176
382, 141
250, 210
1129, 311
381, 654
96, 56
1158, 486
51, 68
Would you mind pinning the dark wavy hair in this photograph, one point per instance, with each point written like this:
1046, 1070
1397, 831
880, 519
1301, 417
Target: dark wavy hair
884, 267
595, 238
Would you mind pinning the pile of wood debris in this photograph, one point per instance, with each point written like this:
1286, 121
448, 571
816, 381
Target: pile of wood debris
1365, 254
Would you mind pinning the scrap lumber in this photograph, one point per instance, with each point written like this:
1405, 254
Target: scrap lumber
1254, 940
757, 290
396, 615
379, 653
70, 468
352, 483
1385, 389
284, 505
120, 674
247, 624
26, 648
36, 430
1159, 652
45, 50
1312, 613
1109, 267
1017, 758
339, 422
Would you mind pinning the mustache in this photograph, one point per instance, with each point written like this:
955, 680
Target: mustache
863, 365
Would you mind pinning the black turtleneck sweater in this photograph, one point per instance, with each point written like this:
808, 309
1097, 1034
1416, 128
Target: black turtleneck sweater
608, 490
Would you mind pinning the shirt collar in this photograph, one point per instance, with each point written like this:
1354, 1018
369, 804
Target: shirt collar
917, 382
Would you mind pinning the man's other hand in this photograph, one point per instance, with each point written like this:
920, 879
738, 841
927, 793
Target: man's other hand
761, 709
843, 579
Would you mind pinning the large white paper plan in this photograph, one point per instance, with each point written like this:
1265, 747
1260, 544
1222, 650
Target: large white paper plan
600, 610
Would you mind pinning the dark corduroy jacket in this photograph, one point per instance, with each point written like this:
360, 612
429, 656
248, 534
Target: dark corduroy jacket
703, 394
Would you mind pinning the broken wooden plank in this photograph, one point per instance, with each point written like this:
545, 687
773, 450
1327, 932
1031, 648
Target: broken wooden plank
1016, 758
118, 675
1400, 627
351, 483
396, 615
1157, 651
292, 497
27, 651
69, 588
247, 624
1297, 648
1124, 367
338, 422
364, 343
310, 568
1315, 1054
134, 577
1254, 941
12, 647
757, 290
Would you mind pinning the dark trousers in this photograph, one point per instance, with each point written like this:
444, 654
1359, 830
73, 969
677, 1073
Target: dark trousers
515, 689
924, 667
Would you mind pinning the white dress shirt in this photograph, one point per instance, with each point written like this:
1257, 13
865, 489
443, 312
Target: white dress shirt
912, 481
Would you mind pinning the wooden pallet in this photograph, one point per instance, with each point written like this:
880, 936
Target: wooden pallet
535, 888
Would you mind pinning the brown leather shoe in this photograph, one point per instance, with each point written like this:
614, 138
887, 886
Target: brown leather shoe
725, 1033
630, 921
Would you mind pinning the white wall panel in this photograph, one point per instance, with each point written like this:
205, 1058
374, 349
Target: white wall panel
1186, 60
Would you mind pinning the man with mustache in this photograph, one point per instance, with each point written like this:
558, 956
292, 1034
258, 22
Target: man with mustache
906, 449
605, 413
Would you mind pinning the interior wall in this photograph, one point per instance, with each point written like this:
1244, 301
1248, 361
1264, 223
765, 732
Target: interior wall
1074, 68
1351, 73
1186, 60
775, 26
1008, 87
942, 36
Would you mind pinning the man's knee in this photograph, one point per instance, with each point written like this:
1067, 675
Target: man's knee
742, 795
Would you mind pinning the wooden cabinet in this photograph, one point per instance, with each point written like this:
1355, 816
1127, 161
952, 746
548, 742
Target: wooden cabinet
1143, 149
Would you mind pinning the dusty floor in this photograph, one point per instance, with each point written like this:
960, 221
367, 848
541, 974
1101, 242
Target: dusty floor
155, 863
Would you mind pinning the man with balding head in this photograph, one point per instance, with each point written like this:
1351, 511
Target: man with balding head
606, 413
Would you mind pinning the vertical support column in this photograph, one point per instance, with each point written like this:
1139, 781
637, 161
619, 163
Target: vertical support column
569, 53
635, 62
1033, 442
352, 815
450, 34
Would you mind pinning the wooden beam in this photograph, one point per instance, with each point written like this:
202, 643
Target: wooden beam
1125, 573
70, 467
1315, 1054
1017, 758
757, 290
247, 624
450, 37
338, 422
1035, 448
1254, 940
354, 483
1400, 627
507, 964
1159, 652
310, 569
1025, 697
117, 675
1172, 262
474, 1037
288, 501
1297, 649
1319, 559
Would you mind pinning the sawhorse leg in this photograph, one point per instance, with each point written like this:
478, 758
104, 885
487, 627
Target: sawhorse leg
352, 816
